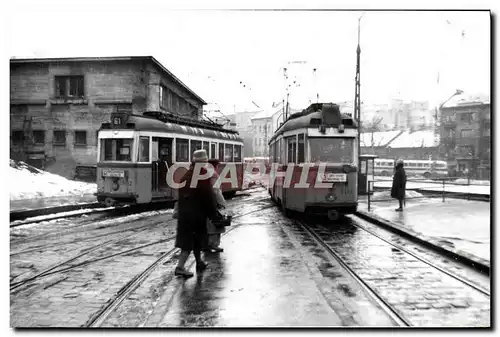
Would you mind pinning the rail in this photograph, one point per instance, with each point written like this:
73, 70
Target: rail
432, 188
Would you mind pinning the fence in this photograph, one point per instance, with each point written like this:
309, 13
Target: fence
450, 187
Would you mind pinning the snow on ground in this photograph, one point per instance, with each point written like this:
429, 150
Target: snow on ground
31, 183
474, 189
415, 139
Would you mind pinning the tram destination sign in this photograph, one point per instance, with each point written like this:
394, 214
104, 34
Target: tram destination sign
113, 173
335, 177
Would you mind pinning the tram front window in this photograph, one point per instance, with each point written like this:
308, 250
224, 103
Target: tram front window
332, 150
116, 149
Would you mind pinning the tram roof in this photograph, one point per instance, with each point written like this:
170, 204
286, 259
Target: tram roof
315, 115
147, 123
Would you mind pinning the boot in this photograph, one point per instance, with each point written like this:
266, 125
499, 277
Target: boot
201, 266
183, 272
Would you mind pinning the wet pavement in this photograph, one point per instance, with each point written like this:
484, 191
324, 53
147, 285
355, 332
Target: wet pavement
455, 223
271, 274
266, 278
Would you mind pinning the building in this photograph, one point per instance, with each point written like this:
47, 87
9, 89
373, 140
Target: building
57, 105
465, 132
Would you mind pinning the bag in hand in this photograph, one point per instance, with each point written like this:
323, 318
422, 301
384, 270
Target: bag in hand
221, 221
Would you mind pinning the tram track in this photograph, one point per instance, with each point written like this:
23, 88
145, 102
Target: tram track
383, 276
100, 316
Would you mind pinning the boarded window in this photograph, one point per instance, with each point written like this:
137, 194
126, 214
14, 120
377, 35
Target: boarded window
182, 150
143, 149
80, 137
39, 136
466, 133
59, 137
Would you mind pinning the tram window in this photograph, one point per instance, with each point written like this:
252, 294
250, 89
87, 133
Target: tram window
221, 151
237, 153
195, 145
420, 165
206, 147
336, 150
301, 149
292, 147
182, 150
143, 149
228, 153
213, 152
116, 149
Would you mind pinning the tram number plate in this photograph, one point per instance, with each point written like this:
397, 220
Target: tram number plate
335, 177
113, 173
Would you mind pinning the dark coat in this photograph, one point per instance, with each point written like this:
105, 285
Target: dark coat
399, 183
196, 205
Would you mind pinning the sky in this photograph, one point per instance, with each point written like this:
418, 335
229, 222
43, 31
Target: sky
231, 58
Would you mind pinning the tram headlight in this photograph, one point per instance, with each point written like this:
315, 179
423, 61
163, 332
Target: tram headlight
330, 197
115, 185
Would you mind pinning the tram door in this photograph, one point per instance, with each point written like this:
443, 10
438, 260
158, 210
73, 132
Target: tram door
161, 161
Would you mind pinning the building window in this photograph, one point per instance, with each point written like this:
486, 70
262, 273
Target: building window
59, 137
487, 130
39, 136
17, 137
466, 133
466, 117
69, 86
80, 137
124, 108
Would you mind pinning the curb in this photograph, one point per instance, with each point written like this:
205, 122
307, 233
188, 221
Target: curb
475, 262
22, 215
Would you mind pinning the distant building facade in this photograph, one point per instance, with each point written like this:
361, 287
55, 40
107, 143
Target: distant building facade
465, 132
57, 105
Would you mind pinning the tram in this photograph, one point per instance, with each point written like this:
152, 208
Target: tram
315, 162
136, 153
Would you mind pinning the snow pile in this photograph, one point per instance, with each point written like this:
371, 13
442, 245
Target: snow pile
472, 182
30, 183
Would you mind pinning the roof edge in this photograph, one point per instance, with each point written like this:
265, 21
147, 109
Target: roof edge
108, 58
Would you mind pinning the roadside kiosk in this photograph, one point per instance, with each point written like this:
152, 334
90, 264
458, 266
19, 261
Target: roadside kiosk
366, 173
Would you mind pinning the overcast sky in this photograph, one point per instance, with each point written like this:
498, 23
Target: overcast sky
212, 51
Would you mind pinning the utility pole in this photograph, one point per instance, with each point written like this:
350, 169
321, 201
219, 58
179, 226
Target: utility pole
357, 92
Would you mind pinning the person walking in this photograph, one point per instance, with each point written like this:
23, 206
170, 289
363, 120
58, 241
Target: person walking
195, 206
214, 233
399, 184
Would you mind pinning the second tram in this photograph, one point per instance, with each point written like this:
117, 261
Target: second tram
315, 162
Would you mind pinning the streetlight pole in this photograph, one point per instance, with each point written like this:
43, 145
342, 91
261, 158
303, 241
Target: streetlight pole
357, 91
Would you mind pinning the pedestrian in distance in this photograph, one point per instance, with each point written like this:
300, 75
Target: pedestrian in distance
196, 205
214, 233
398, 189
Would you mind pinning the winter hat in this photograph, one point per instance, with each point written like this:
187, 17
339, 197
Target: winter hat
200, 156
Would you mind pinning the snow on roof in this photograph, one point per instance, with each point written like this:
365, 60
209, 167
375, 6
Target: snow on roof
415, 139
379, 138
34, 183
